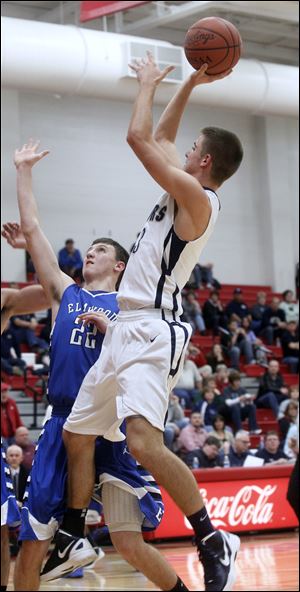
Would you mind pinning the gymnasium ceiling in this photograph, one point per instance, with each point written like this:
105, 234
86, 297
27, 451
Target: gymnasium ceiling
270, 30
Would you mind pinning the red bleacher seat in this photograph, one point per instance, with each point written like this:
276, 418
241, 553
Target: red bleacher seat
276, 351
253, 370
290, 379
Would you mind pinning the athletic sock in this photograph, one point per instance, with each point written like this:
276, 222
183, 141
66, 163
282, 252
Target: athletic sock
74, 521
201, 523
179, 586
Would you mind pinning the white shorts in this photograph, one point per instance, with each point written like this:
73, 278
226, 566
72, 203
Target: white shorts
141, 360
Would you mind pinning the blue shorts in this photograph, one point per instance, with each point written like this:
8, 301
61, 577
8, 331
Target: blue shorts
10, 514
45, 495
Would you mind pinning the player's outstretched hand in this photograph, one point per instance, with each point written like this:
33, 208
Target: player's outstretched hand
148, 72
200, 76
96, 318
28, 154
13, 234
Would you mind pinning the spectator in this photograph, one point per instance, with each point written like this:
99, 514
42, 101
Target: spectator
271, 452
236, 309
240, 449
221, 431
205, 371
273, 322
290, 346
271, 390
192, 312
176, 420
289, 417
215, 357
235, 343
203, 275
196, 355
257, 311
259, 350
238, 404
70, 259
291, 445
23, 327
193, 435
19, 474
222, 377
293, 395
10, 416
11, 361
208, 457
289, 306
213, 312
208, 407
189, 383
22, 439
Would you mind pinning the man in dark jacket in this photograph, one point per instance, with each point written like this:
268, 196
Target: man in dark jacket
209, 456
271, 388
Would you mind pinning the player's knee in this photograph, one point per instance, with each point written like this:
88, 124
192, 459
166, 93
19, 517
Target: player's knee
138, 448
128, 545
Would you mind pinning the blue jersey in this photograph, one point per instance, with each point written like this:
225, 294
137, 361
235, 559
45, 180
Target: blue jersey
75, 347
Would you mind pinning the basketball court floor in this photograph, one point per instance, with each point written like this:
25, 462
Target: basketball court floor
265, 562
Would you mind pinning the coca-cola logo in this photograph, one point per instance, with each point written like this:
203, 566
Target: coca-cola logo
250, 505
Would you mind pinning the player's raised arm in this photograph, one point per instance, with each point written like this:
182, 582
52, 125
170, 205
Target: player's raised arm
53, 280
167, 127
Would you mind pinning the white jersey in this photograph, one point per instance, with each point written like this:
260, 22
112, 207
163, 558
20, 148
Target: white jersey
161, 263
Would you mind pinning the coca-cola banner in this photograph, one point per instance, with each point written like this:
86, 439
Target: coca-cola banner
237, 505
92, 10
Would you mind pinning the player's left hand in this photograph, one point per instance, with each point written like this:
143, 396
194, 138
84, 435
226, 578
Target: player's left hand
13, 234
148, 72
28, 154
97, 318
200, 76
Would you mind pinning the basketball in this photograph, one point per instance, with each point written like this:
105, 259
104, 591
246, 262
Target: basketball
213, 41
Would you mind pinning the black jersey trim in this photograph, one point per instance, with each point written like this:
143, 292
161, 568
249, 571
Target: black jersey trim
174, 371
176, 248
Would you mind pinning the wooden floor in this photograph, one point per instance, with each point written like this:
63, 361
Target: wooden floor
265, 562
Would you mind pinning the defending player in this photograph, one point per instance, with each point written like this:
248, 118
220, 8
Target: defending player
130, 499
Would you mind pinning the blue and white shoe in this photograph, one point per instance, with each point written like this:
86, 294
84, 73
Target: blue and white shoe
217, 554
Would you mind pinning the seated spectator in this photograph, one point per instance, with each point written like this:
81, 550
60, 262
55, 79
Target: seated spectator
271, 390
293, 395
194, 434
213, 312
234, 344
290, 307
239, 451
238, 404
10, 416
176, 420
70, 260
189, 384
208, 407
215, 356
257, 311
290, 346
221, 431
47, 326
196, 355
23, 327
22, 439
192, 312
208, 457
19, 474
289, 417
11, 361
237, 309
222, 377
271, 452
273, 322
259, 350
205, 371
291, 444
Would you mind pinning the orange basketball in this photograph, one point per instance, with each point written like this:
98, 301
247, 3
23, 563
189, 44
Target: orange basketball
213, 41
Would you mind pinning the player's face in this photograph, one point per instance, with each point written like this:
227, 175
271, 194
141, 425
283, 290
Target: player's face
99, 260
193, 157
